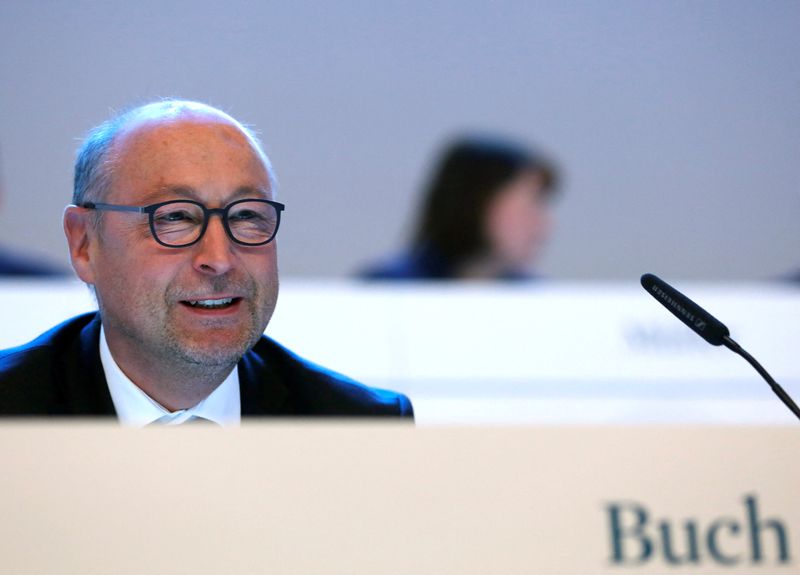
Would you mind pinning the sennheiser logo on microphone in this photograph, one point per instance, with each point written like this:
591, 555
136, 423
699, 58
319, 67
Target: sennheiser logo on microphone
698, 323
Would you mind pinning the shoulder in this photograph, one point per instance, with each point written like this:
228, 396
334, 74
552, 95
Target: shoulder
305, 388
397, 268
415, 265
792, 277
30, 374
14, 264
47, 345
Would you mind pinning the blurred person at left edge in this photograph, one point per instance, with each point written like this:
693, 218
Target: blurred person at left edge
14, 263
172, 226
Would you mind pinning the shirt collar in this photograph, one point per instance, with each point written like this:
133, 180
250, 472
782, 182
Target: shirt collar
136, 409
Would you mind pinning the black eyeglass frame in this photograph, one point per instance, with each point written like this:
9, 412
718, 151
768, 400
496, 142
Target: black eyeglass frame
207, 213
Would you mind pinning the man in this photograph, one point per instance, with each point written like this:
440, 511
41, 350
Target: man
172, 225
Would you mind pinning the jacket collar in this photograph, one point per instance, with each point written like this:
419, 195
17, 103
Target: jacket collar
263, 389
84, 390
262, 386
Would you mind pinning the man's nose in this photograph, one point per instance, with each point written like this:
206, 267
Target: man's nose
214, 253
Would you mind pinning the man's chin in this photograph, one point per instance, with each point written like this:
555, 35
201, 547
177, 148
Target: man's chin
212, 342
213, 358
212, 351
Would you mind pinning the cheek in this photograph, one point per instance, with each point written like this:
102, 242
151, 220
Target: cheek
263, 269
538, 221
509, 220
260, 265
127, 276
517, 227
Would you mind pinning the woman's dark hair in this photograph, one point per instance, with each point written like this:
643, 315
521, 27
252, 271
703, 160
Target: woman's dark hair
470, 172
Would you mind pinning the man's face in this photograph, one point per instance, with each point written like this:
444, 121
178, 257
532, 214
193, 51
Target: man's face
148, 293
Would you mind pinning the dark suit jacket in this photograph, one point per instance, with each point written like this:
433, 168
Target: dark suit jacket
60, 373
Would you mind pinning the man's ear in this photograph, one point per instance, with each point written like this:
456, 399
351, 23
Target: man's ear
80, 232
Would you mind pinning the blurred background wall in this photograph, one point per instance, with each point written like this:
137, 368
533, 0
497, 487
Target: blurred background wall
677, 124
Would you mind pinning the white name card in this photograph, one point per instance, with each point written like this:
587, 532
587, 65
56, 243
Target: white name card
549, 352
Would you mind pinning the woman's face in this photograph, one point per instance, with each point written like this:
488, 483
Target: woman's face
518, 221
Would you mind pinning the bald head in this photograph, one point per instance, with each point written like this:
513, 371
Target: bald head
97, 158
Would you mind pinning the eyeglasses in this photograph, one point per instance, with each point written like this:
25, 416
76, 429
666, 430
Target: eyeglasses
181, 223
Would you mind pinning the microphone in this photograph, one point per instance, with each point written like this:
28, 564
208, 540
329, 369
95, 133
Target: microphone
709, 328
696, 318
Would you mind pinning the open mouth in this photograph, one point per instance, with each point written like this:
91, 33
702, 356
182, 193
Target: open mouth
212, 303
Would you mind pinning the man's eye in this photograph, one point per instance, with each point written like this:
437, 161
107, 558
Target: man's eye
175, 216
246, 215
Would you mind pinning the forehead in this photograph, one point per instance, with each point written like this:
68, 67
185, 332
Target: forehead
207, 154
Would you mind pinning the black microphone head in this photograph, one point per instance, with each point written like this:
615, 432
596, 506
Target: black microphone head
699, 320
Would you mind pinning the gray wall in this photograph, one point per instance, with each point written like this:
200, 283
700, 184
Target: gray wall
678, 123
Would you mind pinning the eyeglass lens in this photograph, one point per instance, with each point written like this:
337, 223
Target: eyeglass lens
249, 222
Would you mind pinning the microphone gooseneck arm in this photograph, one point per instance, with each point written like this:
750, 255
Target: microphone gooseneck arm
709, 328
728, 342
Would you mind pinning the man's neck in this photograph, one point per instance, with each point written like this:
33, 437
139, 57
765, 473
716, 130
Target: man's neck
172, 383
176, 393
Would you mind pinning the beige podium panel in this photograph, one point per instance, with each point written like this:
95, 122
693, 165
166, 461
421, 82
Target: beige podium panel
384, 499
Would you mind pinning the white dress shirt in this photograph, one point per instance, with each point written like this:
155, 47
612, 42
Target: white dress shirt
136, 409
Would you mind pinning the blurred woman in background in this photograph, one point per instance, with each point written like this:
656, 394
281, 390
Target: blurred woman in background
485, 215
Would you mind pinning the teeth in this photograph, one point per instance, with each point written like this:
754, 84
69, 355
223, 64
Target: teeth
211, 303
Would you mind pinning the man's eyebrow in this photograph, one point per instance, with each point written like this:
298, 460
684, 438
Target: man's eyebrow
250, 191
166, 193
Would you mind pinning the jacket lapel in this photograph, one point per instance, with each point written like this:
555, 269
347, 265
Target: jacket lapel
262, 389
84, 389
